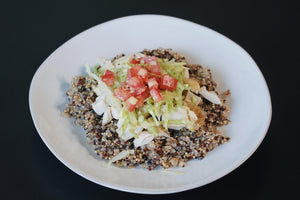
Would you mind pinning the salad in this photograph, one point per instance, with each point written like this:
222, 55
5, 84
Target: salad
150, 108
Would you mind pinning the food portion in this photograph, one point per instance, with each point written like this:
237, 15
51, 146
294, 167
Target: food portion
149, 109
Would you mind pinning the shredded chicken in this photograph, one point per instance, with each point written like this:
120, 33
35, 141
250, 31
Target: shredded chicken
193, 83
200, 113
210, 95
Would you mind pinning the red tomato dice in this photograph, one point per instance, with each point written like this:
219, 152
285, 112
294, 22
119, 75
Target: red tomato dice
140, 103
123, 93
153, 67
141, 98
135, 69
108, 78
140, 90
136, 61
131, 103
124, 84
145, 94
168, 82
157, 77
152, 83
143, 73
135, 82
128, 75
155, 94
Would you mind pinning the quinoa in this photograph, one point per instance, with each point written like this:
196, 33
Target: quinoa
182, 145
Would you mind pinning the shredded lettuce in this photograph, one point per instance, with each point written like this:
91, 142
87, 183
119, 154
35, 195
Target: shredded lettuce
110, 99
130, 122
91, 74
150, 115
98, 70
100, 85
174, 69
171, 99
123, 127
150, 108
153, 131
180, 121
121, 66
121, 74
120, 71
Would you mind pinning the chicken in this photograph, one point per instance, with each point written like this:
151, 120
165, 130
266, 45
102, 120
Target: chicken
193, 83
186, 73
144, 138
122, 61
210, 95
200, 114
106, 64
192, 98
107, 116
127, 135
99, 106
182, 115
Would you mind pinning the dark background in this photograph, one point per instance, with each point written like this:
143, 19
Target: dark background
30, 31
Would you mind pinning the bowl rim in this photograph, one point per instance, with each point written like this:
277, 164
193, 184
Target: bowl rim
125, 188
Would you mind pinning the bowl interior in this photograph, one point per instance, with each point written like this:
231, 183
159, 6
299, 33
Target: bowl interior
232, 68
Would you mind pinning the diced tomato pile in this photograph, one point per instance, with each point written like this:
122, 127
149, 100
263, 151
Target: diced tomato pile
152, 83
143, 80
123, 93
155, 94
108, 78
168, 82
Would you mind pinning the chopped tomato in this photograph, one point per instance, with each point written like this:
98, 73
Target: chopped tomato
140, 90
108, 78
151, 64
143, 73
135, 69
152, 83
124, 84
157, 78
148, 59
141, 98
135, 82
136, 61
123, 93
140, 103
168, 82
155, 94
153, 67
145, 94
131, 103
128, 75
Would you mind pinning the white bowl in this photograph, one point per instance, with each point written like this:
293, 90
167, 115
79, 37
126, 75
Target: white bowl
232, 67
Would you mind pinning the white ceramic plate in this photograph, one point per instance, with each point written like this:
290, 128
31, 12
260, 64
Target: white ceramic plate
232, 67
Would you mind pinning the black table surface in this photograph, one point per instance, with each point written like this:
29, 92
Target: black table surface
32, 30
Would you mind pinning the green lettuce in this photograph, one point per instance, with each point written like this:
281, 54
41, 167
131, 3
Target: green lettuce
174, 69
98, 70
150, 115
171, 99
120, 73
